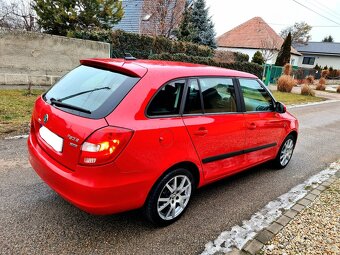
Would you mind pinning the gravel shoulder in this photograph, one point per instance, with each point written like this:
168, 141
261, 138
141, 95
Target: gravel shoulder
315, 230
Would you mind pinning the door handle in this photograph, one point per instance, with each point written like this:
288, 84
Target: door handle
201, 132
251, 125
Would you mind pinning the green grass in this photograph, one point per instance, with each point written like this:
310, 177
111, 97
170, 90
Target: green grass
291, 98
15, 110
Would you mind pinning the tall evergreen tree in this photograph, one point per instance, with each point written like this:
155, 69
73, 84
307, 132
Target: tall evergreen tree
60, 17
283, 56
198, 27
184, 27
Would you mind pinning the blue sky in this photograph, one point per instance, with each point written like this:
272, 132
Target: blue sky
278, 14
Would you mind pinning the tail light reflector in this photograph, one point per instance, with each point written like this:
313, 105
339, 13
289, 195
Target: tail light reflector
104, 145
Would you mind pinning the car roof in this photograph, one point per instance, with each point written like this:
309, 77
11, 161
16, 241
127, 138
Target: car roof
177, 69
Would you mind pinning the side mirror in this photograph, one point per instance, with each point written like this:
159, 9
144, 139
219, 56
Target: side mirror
280, 108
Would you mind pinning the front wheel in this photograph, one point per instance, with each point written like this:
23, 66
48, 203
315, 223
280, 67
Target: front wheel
285, 153
170, 197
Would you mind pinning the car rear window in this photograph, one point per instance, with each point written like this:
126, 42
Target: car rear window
90, 92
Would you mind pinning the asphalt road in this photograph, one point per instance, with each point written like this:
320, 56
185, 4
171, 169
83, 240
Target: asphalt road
35, 220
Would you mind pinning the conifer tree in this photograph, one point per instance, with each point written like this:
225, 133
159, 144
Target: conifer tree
197, 27
61, 17
283, 56
258, 58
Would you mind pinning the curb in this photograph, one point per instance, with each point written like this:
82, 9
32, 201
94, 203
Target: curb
255, 245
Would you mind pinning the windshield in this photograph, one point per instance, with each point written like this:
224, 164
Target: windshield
96, 91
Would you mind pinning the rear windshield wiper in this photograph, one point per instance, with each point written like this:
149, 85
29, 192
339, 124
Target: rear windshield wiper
72, 107
81, 93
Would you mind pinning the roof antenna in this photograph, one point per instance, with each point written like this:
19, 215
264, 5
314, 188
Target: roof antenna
128, 56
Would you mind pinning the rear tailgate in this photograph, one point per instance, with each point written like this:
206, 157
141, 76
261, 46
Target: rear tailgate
61, 134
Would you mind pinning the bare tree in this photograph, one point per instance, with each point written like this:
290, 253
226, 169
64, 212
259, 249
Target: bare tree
17, 14
161, 17
268, 49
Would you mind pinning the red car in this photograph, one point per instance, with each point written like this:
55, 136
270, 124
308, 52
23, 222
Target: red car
116, 134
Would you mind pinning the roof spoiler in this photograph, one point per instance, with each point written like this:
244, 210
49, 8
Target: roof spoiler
118, 66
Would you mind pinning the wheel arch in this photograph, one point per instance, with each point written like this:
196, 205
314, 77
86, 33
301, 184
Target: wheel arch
294, 134
190, 166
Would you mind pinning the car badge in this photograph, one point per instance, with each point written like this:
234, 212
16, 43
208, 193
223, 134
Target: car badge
45, 118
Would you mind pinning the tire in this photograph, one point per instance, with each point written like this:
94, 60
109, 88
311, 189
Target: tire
285, 153
170, 197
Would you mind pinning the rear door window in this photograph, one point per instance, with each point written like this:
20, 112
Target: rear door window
90, 92
168, 99
218, 95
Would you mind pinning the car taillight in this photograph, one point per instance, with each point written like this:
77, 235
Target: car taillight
104, 145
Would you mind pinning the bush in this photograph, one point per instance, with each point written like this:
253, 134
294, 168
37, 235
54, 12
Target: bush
223, 56
241, 57
258, 58
321, 84
142, 46
310, 80
333, 73
324, 73
307, 90
285, 83
240, 66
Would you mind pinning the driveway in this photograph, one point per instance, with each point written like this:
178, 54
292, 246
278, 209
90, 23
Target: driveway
34, 220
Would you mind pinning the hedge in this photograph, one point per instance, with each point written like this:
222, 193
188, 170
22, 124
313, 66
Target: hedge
240, 66
142, 46
147, 47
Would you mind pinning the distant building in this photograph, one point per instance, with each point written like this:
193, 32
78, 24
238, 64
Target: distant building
319, 53
152, 17
255, 35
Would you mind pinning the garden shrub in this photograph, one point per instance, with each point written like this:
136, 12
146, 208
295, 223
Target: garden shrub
285, 83
241, 57
309, 80
321, 84
224, 56
307, 90
324, 73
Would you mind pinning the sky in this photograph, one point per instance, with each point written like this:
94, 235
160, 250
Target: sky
227, 14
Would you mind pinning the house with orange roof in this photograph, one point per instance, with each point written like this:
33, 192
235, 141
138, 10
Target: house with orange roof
255, 35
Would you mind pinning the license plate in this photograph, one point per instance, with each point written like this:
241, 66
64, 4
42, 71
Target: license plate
51, 139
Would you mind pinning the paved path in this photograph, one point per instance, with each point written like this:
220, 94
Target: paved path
34, 220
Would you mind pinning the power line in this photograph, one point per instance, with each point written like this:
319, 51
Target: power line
276, 24
316, 12
326, 9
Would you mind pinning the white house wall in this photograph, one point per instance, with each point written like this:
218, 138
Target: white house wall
333, 61
250, 52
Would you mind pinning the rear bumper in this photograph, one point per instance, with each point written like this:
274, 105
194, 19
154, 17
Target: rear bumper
85, 191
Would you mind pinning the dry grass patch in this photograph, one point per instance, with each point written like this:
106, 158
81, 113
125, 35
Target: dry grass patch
306, 90
321, 84
309, 80
285, 83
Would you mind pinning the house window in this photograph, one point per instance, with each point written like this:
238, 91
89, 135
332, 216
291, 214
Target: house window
308, 60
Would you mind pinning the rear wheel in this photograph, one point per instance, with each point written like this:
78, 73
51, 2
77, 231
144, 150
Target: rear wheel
285, 153
170, 197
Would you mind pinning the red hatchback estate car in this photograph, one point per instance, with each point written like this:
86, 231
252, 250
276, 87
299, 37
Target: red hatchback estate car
114, 134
